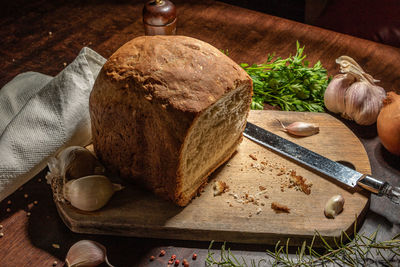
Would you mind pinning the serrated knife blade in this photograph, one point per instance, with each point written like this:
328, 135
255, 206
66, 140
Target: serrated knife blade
319, 163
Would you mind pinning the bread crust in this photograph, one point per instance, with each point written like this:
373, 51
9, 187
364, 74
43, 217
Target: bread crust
182, 72
144, 101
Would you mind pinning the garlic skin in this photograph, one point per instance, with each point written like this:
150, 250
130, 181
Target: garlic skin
74, 162
354, 95
364, 102
334, 206
90, 193
86, 253
335, 92
300, 128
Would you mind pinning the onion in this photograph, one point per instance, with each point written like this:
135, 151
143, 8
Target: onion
388, 123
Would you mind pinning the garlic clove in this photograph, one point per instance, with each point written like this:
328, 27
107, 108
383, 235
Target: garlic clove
86, 253
335, 92
334, 206
90, 193
300, 128
76, 162
71, 163
363, 102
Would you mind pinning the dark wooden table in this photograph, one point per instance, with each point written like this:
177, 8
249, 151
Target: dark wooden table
44, 36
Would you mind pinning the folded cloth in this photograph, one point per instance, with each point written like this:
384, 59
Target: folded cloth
40, 115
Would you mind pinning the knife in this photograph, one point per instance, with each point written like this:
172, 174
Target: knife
321, 164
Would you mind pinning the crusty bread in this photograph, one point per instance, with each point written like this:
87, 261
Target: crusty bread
166, 111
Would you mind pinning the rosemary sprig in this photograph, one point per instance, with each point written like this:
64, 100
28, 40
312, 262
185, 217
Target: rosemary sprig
361, 250
228, 259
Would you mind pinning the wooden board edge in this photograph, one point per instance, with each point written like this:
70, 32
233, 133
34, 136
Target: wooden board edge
142, 231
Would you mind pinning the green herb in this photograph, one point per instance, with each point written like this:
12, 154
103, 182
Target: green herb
226, 52
227, 259
362, 250
288, 83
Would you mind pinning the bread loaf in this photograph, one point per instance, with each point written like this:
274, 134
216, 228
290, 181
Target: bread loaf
167, 111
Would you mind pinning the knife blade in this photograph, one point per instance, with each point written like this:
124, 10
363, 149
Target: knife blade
321, 164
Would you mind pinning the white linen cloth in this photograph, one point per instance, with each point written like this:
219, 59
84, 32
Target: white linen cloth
39, 115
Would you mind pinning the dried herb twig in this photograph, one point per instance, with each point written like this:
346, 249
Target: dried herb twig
361, 250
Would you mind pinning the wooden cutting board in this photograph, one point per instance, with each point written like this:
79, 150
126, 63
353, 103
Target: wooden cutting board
253, 172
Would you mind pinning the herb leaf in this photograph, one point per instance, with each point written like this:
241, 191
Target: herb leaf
288, 83
361, 250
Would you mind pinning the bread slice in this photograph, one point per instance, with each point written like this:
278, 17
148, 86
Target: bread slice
167, 111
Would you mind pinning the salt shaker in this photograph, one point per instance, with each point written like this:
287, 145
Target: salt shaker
159, 17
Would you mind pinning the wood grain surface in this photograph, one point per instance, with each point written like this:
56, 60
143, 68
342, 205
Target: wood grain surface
51, 34
234, 215
27, 45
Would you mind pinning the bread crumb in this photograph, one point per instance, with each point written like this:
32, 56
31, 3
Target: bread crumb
235, 196
300, 183
258, 167
258, 211
262, 188
252, 156
219, 188
261, 192
279, 208
282, 171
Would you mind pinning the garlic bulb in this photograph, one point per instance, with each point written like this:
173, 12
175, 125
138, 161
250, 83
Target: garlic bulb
90, 193
335, 92
354, 95
334, 206
86, 253
73, 162
364, 101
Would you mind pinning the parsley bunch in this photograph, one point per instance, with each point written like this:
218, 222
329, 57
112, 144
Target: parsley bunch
288, 83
